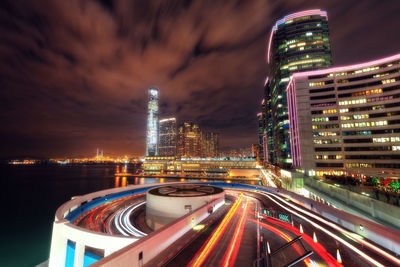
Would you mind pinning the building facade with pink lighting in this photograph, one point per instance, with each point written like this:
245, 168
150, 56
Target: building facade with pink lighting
346, 120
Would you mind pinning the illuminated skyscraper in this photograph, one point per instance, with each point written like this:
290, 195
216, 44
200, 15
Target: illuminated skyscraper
189, 139
261, 133
167, 144
152, 124
298, 42
209, 144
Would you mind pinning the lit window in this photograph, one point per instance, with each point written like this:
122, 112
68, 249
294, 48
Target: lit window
320, 119
380, 75
353, 102
368, 92
329, 111
346, 118
316, 84
395, 139
316, 134
366, 70
364, 124
326, 141
325, 126
358, 165
388, 81
381, 140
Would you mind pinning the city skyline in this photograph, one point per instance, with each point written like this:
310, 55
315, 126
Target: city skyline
200, 133
63, 99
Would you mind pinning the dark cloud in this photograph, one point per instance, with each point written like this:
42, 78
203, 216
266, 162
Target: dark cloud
74, 74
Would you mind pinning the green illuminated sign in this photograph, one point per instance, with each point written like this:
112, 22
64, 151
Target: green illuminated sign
267, 212
283, 217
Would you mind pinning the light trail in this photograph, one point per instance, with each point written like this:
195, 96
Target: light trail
108, 207
267, 176
117, 225
122, 222
229, 259
344, 242
328, 258
127, 223
284, 236
201, 256
344, 231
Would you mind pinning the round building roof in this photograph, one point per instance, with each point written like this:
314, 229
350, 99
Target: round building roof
185, 190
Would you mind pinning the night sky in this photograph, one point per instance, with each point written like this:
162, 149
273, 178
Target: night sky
74, 74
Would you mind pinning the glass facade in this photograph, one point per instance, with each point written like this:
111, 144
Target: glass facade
209, 144
261, 132
298, 42
152, 124
189, 140
167, 144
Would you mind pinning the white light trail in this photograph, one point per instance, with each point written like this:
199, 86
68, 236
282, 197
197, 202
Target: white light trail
344, 242
344, 231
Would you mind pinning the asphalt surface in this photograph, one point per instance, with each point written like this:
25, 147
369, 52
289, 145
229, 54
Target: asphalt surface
238, 236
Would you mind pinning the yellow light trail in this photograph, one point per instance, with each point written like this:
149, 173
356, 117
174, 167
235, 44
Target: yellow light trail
217, 235
233, 242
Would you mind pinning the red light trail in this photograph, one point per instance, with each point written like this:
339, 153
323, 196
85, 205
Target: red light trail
207, 247
231, 253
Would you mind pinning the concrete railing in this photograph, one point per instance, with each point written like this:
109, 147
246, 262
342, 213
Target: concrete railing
147, 248
375, 208
64, 231
151, 245
381, 235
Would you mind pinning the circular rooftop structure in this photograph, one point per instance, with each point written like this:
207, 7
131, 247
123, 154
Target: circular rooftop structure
165, 204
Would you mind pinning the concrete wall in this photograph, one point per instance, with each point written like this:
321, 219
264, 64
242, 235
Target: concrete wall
375, 208
381, 235
153, 244
63, 230
162, 210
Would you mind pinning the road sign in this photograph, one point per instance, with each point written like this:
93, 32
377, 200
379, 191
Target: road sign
283, 217
267, 212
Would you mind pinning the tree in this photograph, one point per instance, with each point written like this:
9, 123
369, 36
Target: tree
395, 186
375, 181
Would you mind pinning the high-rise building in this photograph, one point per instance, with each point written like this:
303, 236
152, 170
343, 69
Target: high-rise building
268, 148
346, 120
189, 138
167, 140
298, 42
152, 123
209, 144
261, 133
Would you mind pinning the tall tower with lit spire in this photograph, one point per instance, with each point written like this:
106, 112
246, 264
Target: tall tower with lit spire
152, 124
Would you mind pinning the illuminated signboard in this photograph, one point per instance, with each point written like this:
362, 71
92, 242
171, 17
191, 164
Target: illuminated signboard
283, 217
